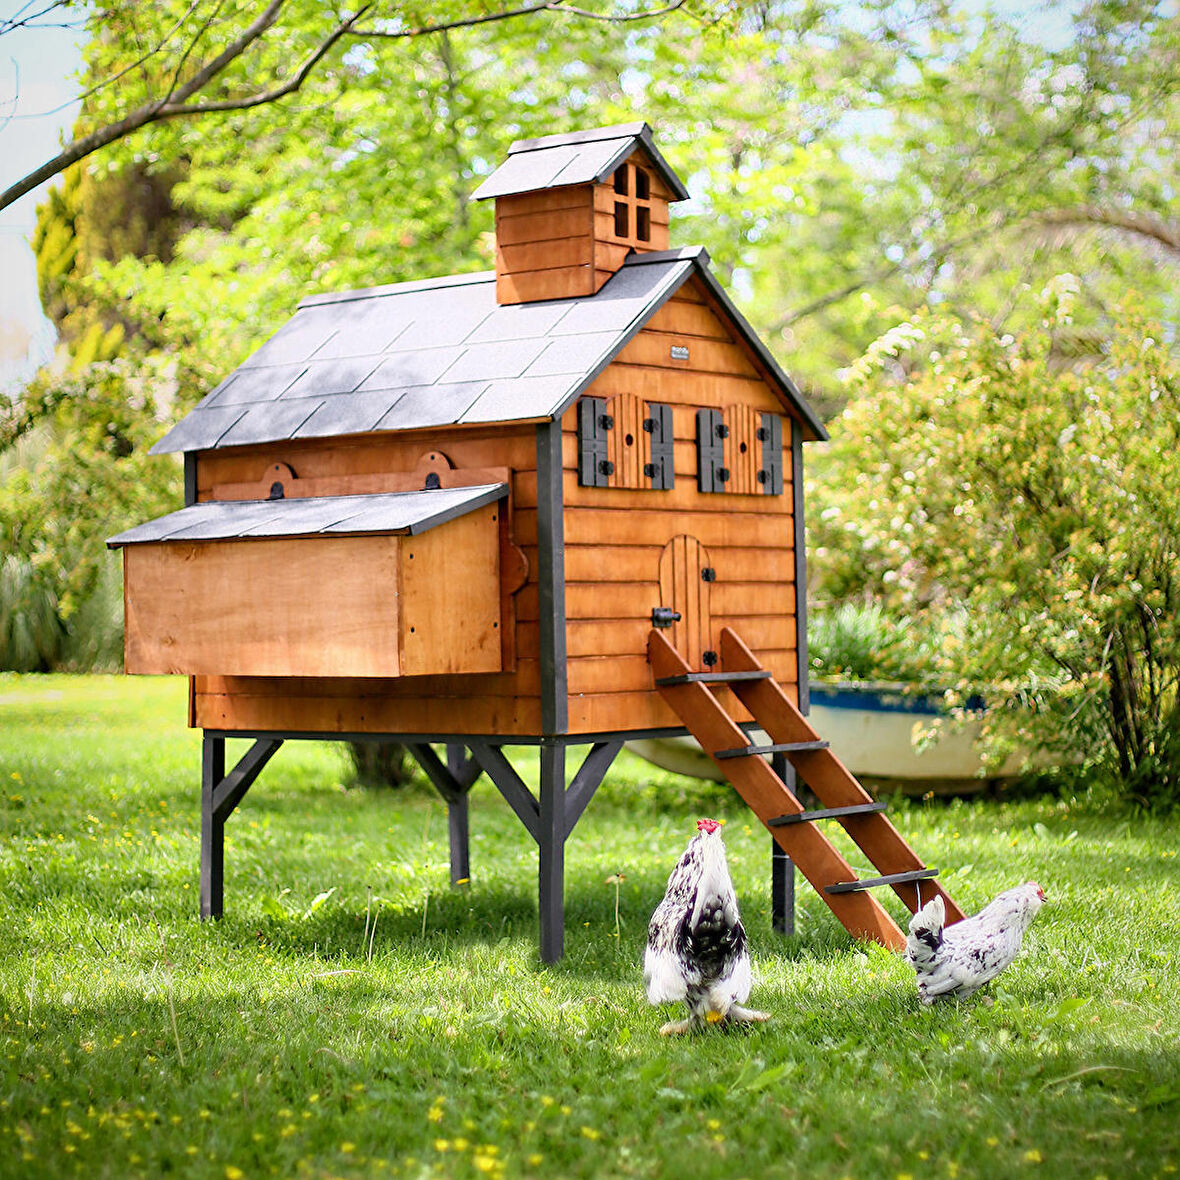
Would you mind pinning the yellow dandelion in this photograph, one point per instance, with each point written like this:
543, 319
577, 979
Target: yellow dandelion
348, 1148
566, 1109
546, 1100
1032, 1156
232, 1173
461, 1144
591, 1133
442, 1145
484, 1163
714, 1017
535, 1160
713, 1124
992, 1141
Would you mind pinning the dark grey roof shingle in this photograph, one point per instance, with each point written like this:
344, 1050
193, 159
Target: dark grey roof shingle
386, 512
584, 157
441, 353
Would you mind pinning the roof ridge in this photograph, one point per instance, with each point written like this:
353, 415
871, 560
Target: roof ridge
591, 135
466, 279
681, 254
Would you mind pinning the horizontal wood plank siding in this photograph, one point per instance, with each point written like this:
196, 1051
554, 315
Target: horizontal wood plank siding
614, 536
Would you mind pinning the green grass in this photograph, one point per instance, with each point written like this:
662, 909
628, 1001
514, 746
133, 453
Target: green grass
137, 1041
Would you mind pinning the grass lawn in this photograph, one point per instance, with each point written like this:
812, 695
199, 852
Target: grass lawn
137, 1041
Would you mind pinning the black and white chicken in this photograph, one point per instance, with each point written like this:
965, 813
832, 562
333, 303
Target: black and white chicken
696, 944
959, 960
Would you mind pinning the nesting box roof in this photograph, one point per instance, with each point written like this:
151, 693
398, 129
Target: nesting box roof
406, 513
442, 352
584, 157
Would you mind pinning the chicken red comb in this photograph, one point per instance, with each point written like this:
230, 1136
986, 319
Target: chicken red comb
708, 825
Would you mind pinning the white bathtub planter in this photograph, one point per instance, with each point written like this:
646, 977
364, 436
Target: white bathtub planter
883, 734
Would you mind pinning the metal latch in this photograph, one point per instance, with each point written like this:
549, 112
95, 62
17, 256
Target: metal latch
664, 616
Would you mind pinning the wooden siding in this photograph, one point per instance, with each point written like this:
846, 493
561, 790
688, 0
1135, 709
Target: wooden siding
500, 703
562, 242
617, 537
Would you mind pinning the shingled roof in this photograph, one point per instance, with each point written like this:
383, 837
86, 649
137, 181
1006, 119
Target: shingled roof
440, 352
584, 157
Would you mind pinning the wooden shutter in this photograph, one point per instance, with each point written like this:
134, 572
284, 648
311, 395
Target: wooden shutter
594, 425
770, 435
712, 474
660, 469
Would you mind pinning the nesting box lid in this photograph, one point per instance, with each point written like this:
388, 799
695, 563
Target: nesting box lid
406, 513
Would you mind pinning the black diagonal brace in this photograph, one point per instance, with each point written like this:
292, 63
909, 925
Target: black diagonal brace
450, 786
228, 793
509, 784
588, 780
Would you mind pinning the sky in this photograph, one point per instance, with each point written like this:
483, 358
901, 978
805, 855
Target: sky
36, 68
36, 92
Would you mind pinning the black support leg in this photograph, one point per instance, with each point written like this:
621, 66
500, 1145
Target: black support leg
551, 843
453, 780
782, 871
220, 794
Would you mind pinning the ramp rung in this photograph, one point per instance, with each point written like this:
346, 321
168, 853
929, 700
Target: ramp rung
777, 748
805, 817
874, 882
711, 678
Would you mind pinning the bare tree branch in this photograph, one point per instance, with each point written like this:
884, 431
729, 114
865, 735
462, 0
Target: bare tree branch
182, 99
1145, 228
12, 23
525, 10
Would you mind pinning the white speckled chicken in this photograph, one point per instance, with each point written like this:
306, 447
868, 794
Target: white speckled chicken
959, 960
696, 944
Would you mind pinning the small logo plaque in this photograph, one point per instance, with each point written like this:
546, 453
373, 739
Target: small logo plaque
679, 352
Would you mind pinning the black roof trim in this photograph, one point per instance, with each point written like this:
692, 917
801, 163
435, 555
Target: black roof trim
806, 413
698, 256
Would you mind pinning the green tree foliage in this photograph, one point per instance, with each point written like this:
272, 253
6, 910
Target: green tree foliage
1041, 503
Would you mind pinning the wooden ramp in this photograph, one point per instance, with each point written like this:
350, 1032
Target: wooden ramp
693, 698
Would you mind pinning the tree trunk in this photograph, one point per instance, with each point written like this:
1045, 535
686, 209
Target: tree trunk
380, 764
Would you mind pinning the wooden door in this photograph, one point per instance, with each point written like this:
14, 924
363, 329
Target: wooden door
686, 577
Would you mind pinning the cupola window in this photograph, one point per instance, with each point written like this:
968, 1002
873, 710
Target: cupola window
632, 186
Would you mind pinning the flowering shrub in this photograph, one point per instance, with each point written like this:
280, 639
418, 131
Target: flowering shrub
977, 473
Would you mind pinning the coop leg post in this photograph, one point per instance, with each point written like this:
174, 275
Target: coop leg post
212, 828
782, 870
551, 844
452, 779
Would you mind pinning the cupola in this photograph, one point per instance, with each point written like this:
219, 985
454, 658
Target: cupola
571, 208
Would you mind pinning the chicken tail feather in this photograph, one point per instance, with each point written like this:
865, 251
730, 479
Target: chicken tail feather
925, 938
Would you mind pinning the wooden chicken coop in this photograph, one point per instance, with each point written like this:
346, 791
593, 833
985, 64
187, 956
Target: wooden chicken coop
558, 504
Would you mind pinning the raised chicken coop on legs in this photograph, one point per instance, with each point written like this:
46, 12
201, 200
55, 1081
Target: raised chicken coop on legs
554, 505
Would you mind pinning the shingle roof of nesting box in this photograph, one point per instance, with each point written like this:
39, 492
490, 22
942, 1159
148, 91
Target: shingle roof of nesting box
440, 352
386, 512
585, 157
